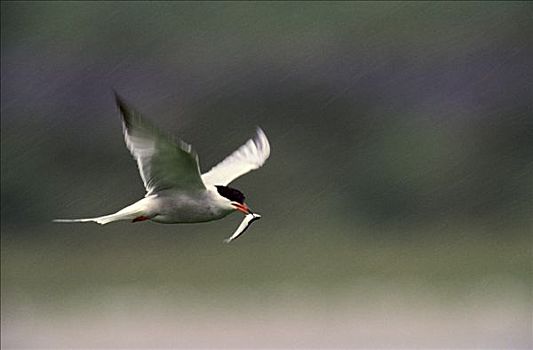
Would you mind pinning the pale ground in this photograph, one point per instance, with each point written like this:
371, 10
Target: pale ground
373, 316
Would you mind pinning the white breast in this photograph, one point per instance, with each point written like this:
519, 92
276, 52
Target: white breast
172, 207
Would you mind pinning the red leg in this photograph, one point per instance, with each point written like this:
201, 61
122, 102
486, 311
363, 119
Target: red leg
140, 218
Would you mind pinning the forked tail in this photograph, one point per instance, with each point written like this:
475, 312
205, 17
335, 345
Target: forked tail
137, 211
132, 212
102, 220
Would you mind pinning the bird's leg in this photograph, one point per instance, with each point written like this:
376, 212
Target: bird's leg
141, 218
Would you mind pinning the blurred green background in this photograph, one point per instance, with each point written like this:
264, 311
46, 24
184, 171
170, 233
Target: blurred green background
396, 203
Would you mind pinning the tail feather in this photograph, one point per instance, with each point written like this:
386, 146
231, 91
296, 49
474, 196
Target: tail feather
129, 213
102, 220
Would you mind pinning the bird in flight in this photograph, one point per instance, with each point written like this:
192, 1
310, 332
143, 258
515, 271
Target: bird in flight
176, 190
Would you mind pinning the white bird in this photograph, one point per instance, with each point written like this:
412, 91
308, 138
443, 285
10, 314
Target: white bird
176, 191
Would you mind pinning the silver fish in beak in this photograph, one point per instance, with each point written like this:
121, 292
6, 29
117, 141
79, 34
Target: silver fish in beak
248, 219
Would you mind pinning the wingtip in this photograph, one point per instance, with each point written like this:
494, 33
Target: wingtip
119, 100
126, 112
262, 141
260, 132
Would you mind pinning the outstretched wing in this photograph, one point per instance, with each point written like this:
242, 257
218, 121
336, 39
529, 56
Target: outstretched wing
249, 156
163, 164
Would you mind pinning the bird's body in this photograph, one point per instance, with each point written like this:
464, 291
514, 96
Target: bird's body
176, 190
172, 207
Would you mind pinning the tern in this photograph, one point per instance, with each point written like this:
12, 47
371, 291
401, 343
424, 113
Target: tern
176, 190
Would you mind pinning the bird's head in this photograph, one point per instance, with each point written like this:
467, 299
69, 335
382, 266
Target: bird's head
234, 197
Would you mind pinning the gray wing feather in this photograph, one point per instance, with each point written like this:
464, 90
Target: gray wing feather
249, 156
162, 162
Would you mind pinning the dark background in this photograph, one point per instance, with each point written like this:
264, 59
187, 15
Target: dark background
396, 202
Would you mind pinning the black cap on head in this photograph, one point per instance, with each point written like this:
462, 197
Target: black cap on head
231, 193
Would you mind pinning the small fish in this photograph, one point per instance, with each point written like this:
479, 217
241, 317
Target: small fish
176, 190
248, 219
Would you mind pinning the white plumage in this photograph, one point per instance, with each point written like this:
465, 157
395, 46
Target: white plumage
250, 156
176, 191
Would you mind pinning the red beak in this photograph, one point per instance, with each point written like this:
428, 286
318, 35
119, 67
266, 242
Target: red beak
242, 208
